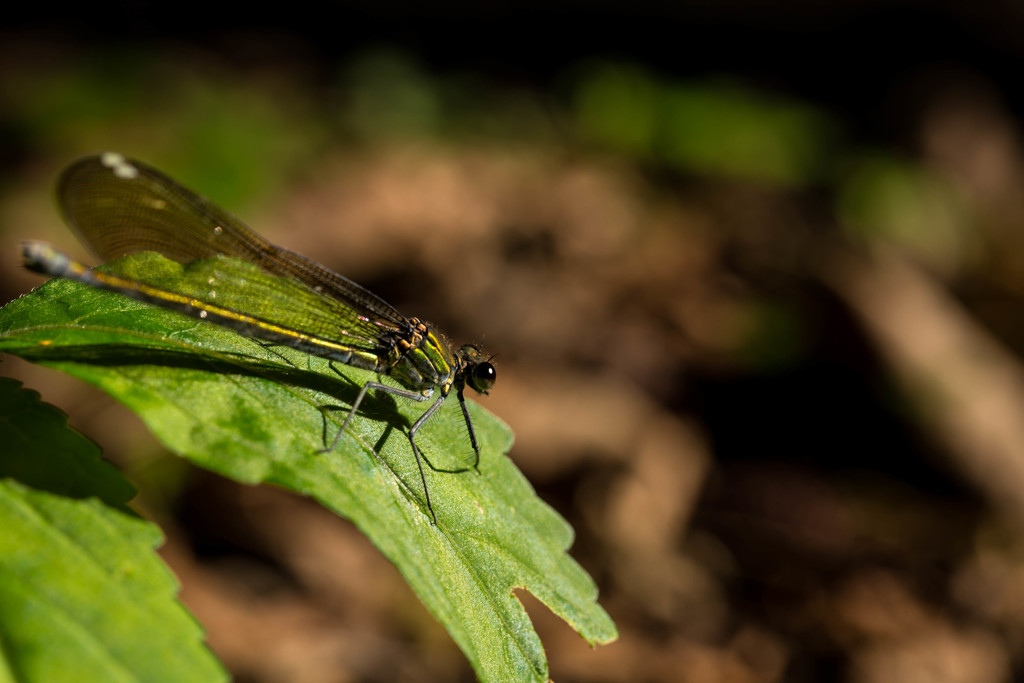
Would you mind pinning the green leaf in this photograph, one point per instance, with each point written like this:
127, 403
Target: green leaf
82, 593
254, 414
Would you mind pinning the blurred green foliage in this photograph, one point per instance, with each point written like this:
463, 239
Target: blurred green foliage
390, 96
702, 127
237, 133
889, 200
228, 133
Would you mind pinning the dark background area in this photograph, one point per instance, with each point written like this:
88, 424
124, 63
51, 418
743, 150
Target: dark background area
752, 271
856, 58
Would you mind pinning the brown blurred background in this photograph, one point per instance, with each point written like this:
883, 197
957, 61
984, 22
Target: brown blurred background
753, 275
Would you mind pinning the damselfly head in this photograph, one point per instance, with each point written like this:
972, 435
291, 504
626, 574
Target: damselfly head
479, 374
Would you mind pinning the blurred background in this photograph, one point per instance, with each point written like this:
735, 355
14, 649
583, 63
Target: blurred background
752, 271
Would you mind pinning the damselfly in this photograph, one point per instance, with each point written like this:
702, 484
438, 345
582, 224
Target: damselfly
118, 206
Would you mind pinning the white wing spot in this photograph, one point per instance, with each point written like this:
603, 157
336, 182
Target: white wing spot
121, 167
203, 314
111, 159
